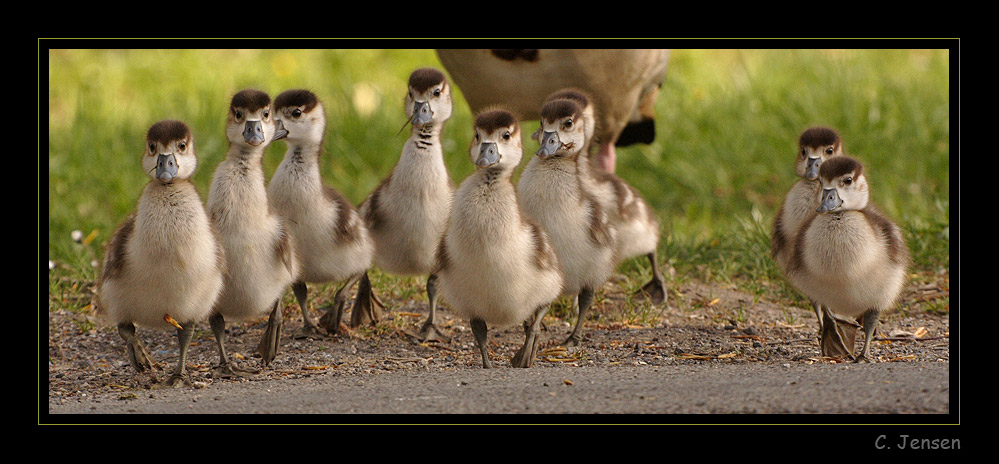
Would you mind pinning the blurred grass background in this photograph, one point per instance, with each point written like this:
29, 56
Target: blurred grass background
727, 128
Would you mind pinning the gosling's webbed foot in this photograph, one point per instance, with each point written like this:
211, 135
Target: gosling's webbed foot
838, 335
655, 290
138, 357
269, 343
268, 346
175, 381
527, 353
310, 331
228, 371
367, 306
330, 322
430, 333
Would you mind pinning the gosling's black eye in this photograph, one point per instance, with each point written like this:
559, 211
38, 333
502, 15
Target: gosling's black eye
296, 113
848, 181
506, 135
568, 123
182, 146
239, 114
829, 151
804, 152
266, 114
152, 147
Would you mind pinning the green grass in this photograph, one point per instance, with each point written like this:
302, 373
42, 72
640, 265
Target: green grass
728, 122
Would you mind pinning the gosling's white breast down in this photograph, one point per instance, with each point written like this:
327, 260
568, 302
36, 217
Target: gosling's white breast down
332, 240
496, 266
411, 212
550, 193
169, 261
846, 262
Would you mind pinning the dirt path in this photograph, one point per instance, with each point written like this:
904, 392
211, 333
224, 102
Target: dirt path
715, 349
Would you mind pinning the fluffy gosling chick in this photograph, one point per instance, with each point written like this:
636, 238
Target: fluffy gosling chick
849, 257
406, 214
815, 146
331, 238
636, 222
164, 263
259, 249
554, 191
494, 266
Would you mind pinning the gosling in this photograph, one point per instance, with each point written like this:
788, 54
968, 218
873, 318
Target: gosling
849, 257
164, 265
494, 266
406, 214
554, 191
260, 251
331, 238
815, 146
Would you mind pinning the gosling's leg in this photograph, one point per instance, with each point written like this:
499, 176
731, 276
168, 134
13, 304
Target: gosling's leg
331, 320
429, 331
309, 330
179, 377
137, 355
818, 312
525, 356
655, 289
366, 303
479, 331
870, 323
225, 368
268, 346
585, 299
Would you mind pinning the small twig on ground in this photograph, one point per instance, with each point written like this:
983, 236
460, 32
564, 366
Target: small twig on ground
911, 339
777, 342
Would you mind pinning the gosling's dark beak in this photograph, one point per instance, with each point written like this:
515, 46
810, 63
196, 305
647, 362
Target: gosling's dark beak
812, 168
166, 167
280, 132
549, 145
253, 132
488, 155
830, 201
421, 113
